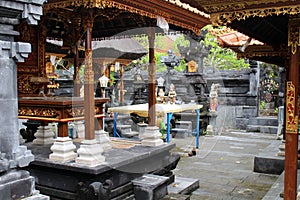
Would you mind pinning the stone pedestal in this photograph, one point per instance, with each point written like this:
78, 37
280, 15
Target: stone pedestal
209, 131
281, 151
151, 136
141, 128
212, 122
102, 137
90, 153
63, 150
79, 127
44, 135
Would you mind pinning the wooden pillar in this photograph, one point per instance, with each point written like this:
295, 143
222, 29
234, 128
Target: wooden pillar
76, 77
42, 33
121, 89
76, 27
89, 99
291, 134
151, 80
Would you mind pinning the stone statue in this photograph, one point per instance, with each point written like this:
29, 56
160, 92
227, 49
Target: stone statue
161, 96
213, 103
172, 94
171, 60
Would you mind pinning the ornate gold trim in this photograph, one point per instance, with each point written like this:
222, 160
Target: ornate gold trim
29, 70
41, 49
291, 113
25, 86
147, 12
294, 34
262, 53
40, 112
224, 18
214, 6
77, 112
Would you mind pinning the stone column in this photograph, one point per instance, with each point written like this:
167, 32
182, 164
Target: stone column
15, 183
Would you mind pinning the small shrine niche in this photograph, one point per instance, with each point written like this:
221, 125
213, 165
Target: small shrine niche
51, 75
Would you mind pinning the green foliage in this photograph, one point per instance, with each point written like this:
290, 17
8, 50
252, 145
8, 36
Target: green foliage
221, 58
262, 105
160, 44
272, 71
218, 58
181, 67
180, 40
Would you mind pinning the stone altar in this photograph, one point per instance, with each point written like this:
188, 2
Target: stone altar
112, 179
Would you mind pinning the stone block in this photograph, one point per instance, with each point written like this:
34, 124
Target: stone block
124, 128
179, 132
16, 184
183, 185
184, 125
239, 111
150, 187
141, 127
241, 123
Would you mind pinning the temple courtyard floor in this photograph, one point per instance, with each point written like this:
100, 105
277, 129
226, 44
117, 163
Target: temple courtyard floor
224, 165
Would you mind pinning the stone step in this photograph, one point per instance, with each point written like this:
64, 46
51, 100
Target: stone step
150, 187
264, 121
179, 133
130, 134
176, 197
182, 185
184, 125
262, 129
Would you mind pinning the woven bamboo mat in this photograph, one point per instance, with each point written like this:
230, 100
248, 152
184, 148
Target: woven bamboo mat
120, 143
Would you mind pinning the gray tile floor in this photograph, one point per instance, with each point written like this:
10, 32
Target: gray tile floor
224, 165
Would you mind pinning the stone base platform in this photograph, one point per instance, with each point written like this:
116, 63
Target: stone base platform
112, 180
183, 185
268, 162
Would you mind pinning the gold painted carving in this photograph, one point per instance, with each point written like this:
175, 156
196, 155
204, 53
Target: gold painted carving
291, 112
225, 7
225, 18
40, 112
29, 70
294, 34
214, 6
263, 51
88, 72
132, 8
25, 86
77, 112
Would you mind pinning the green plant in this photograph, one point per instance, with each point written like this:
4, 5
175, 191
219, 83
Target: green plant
221, 58
262, 105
